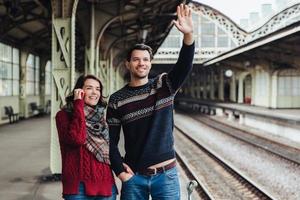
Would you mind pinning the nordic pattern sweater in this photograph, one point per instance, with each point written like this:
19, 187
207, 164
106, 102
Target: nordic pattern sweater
145, 114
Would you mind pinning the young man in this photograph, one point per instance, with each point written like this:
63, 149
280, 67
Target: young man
144, 109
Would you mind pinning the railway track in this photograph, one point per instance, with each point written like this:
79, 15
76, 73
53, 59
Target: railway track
287, 153
217, 179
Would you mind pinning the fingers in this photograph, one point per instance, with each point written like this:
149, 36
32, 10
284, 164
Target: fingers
124, 176
186, 10
128, 169
178, 12
189, 12
176, 23
183, 10
78, 94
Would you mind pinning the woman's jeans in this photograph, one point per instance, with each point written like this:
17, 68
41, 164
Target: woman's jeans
82, 196
161, 186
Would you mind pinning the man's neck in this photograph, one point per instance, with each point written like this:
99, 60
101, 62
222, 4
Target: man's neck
138, 82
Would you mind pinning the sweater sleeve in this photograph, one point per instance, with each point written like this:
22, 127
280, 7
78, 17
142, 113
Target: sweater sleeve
72, 131
114, 122
183, 66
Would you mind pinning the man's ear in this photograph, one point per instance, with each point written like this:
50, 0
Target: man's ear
127, 64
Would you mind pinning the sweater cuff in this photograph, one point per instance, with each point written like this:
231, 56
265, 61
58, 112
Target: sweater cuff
78, 102
118, 169
188, 46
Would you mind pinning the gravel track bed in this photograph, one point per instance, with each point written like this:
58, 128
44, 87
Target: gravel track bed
280, 178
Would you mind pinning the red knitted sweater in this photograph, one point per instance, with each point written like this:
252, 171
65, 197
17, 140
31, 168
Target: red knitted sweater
79, 164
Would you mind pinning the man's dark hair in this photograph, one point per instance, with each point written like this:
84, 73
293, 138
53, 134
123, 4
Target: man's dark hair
139, 47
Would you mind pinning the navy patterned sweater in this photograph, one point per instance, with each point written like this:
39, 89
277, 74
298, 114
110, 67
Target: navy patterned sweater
145, 114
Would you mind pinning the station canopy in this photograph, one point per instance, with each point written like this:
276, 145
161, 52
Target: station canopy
26, 24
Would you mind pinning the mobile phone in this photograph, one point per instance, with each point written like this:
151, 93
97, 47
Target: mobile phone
82, 94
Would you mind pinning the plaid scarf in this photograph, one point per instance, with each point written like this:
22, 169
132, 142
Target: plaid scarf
97, 140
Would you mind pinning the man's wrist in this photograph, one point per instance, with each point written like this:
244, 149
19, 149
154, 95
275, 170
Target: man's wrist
188, 38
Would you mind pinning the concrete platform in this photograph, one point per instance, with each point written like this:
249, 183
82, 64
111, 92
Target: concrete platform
283, 123
282, 114
25, 157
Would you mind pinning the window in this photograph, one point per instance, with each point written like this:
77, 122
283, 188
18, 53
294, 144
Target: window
262, 80
208, 31
208, 28
195, 18
222, 41
207, 41
173, 40
232, 44
32, 75
296, 86
289, 85
9, 70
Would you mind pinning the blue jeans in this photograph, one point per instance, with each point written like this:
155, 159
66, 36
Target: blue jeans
162, 186
82, 196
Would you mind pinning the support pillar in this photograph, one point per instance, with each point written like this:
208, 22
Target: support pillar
192, 87
22, 96
221, 86
111, 74
241, 90
43, 63
90, 52
233, 88
63, 67
204, 78
253, 88
274, 89
241, 87
212, 86
198, 84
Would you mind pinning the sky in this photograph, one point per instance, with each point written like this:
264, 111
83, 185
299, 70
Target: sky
237, 9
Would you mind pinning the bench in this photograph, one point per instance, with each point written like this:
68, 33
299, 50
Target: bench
12, 116
35, 109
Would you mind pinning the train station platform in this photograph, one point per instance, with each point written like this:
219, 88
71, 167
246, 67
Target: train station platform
282, 125
281, 114
25, 161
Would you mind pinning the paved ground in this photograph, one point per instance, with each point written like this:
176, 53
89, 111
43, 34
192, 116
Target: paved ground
24, 153
25, 156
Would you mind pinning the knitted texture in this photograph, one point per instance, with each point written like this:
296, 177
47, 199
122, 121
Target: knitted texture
78, 163
145, 114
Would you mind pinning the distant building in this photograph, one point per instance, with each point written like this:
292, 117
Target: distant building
244, 23
266, 10
253, 18
258, 18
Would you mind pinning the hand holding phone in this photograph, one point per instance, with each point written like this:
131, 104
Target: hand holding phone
78, 94
82, 94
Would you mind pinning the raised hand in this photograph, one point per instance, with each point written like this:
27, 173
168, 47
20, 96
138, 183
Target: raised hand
184, 21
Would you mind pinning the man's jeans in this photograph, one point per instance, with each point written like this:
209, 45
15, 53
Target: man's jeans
162, 186
83, 196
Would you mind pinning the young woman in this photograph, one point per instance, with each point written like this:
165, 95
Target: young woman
84, 142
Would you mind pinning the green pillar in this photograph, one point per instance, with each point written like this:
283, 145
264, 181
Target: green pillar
63, 67
43, 62
22, 96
